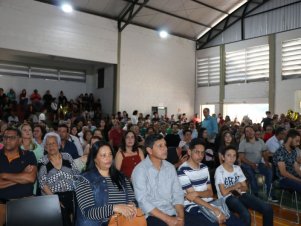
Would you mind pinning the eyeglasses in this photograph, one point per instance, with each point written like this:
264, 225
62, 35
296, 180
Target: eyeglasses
198, 152
51, 144
10, 137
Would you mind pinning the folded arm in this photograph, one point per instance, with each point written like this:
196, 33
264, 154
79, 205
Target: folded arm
28, 176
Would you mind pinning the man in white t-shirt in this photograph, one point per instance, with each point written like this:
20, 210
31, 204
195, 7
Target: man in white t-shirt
195, 180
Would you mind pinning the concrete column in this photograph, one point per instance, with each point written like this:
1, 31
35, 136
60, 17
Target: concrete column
222, 78
272, 73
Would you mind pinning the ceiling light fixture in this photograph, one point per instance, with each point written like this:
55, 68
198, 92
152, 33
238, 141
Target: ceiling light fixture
163, 34
67, 8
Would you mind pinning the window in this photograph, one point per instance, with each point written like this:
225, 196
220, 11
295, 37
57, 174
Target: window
13, 70
10, 69
291, 59
248, 65
254, 111
208, 71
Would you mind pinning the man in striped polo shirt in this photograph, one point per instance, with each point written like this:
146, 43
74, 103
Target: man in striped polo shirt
195, 180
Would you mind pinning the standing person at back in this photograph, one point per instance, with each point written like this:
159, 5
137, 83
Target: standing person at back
157, 188
267, 120
210, 124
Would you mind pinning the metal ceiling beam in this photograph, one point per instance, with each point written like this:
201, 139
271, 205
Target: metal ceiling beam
171, 14
51, 2
211, 7
171, 33
243, 11
128, 15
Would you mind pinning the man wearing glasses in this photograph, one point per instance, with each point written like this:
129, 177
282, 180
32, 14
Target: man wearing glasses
18, 170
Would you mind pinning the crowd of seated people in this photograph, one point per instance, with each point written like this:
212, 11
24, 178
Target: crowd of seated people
94, 159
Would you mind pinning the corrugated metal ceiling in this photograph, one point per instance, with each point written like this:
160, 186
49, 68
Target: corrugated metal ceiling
184, 18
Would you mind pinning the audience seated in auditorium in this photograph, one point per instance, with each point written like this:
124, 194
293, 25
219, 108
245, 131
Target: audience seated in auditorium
251, 151
195, 180
47, 99
39, 132
17, 172
11, 97
101, 177
56, 172
285, 160
62, 100
28, 143
115, 135
23, 100
231, 185
66, 145
157, 188
129, 154
35, 98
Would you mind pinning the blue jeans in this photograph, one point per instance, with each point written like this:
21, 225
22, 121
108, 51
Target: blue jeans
262, 169
196, 218
241, 205
189, 221
290, 184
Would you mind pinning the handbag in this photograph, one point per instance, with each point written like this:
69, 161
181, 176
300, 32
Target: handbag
209, 214
119, 220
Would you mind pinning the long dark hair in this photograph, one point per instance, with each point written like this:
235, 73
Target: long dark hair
116, 177
223, 139
123, 143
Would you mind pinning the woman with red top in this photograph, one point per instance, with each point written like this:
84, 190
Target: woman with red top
129, 154
268, 133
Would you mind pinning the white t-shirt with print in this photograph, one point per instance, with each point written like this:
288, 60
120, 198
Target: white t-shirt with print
228, 179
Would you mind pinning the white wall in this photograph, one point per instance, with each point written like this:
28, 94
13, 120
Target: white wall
156, 72
254, 92
33, 26
285, 89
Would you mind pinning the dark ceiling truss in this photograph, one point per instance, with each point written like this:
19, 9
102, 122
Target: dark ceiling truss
128, 14
209, 6
239, 14
171, 14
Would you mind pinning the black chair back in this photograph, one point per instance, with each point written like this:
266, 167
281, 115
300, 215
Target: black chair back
34, 211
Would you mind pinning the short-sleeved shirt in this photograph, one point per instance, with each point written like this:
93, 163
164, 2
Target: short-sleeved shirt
252, 151
273, 144
58, 180
17, 166
289, 158
198, 179
71, 149
228, 179
116, 137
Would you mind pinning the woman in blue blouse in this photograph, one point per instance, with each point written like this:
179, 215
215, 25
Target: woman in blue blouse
102, 191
